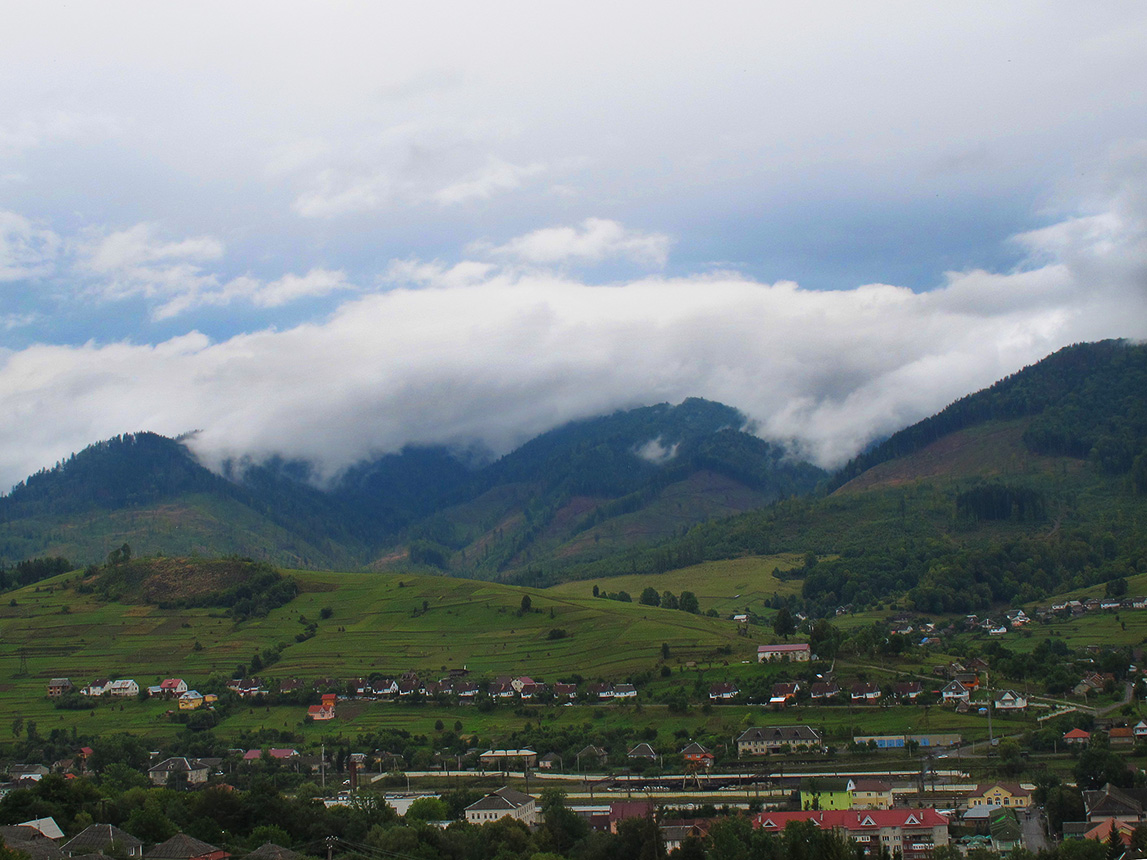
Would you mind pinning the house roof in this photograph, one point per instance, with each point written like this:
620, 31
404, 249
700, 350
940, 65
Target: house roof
642, 751
853, 820
45, 827
1077, 734
780, 734
504, 798
178, 764
1012, 788
183, 847
94, 838
271, 851
797, 646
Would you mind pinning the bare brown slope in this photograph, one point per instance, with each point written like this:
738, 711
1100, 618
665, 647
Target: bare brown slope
993, 449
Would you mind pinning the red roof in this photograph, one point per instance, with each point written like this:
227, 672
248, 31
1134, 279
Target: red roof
1077, 734
800, 646
854, 821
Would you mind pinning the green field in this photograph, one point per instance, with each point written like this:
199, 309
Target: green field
728, 586
381, 624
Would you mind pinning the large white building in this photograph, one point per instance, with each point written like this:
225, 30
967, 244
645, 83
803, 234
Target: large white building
503, 802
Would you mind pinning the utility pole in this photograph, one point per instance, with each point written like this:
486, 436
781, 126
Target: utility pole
330, 846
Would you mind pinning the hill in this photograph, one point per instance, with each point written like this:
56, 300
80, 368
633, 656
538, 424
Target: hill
580, 491
1031, 487
335, 625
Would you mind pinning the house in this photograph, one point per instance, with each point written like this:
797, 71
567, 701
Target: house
1122, 804
822, 691
96, 688
826, 793
624, 691
58, 687
909, 690
179, 768
547, 761
696, 756
642, 751
503, 802
385, 687
1077, 736
762, 741
623, 810
913, 833
784, 693
1140, 730
246, 688
600, 691
321, 713
102, 839
1005, 830
271, 851
191, 700
1010, 700
871, 794
674, 834
123, 688
799, 652
1118, 735
171, 687
954, 691
565, 691
590, 754
723, 691
1008, 794
865, 693
184, 847
295, 685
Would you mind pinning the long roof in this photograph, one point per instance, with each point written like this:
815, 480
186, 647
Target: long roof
182, 847
95, 837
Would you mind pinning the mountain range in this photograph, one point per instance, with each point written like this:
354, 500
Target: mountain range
1055, 449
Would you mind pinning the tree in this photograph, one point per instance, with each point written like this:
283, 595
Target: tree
783, 624
526, 603
650, 597
688, 602
669, 600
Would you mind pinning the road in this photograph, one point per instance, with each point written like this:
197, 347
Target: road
1035, 834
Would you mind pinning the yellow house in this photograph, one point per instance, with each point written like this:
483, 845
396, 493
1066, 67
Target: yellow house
1009, 794
871, 794
190, 701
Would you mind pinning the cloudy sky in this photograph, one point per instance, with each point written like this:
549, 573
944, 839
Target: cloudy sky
331, 229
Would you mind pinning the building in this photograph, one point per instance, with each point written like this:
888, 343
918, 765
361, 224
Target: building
1007, 794
502, 759
172, 687
826, 793
914, 833
184, 847
784, 693
102, 839
762, 741
871, 794
58, 687
955, 691
1010, 700
696, 756
1077, 736
190, 700
190, 770
1122, 804
865, 693
724, 690
123, 688
799, 652
503, 802
901, 741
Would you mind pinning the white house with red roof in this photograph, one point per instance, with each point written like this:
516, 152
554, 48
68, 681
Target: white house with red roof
914, 833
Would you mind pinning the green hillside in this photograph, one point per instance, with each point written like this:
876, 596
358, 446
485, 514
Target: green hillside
340, 625
964, 510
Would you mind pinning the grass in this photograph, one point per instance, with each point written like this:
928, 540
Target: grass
729, 586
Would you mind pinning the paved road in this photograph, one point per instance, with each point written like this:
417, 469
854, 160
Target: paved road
1035, 834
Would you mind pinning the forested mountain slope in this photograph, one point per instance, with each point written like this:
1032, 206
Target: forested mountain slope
1027, 488
579, 491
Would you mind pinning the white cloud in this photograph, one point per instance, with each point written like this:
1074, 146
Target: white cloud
594, 240
495, 177
26, 249
170, 273
472, 354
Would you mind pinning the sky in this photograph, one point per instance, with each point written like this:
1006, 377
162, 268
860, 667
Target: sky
329, 230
